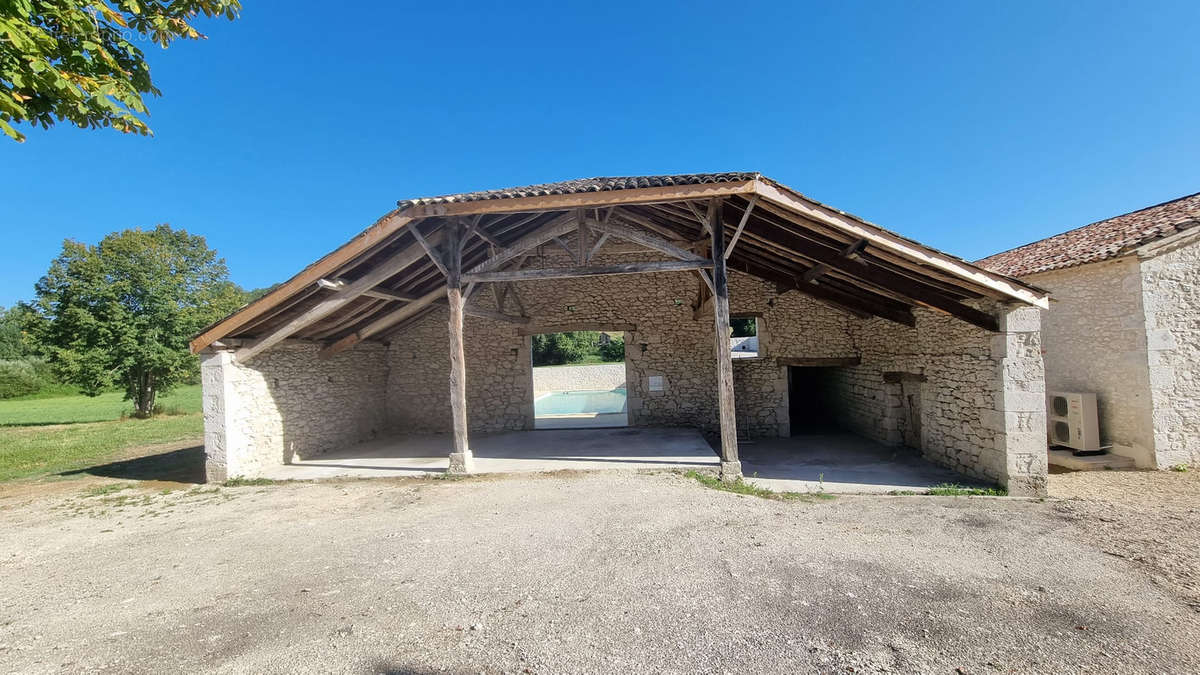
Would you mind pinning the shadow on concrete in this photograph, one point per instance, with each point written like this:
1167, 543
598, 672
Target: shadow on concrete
840, 461
177, 466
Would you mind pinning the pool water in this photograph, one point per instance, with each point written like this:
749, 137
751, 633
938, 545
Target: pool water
579, 402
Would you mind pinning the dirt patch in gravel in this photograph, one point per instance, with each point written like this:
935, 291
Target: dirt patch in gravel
1150, 518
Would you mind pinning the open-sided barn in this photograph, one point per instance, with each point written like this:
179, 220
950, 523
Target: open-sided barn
422, 323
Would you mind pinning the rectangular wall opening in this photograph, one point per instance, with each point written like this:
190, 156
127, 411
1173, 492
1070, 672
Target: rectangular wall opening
814, 405
579, 380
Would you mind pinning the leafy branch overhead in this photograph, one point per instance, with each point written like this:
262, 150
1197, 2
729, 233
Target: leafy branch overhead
78, 61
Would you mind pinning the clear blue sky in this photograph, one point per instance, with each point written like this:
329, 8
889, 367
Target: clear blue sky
971, 126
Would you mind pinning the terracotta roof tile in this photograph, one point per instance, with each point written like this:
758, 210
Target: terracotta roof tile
1099, 241
600, 184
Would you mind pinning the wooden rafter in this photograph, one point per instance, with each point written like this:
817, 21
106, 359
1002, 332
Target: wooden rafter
435, 256
589, 271
555, 228
646, 239
873, 276
905, 248
358, 287
741, 226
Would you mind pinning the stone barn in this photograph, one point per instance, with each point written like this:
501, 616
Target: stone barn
1123, 325
420, 327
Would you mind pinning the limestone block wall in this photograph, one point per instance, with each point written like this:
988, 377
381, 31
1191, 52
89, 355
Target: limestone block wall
286, 402
1094, 340
1171, 300
595, 377
499, 376
982, 402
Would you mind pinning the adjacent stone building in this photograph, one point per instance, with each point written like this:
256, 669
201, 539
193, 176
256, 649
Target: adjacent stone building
1124, 324
920, 348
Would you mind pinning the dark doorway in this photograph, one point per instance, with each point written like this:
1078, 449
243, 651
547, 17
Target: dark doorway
910, 422
812, 399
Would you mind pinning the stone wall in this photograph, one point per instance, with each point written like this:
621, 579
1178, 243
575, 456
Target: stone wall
499, 375
594, 377
1094, 338
286, 403
1171, 298
982, 401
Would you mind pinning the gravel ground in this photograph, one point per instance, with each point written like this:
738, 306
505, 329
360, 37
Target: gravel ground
586, 573
1150, 518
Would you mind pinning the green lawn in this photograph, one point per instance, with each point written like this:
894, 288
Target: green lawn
27, 452
79, 408
91, 431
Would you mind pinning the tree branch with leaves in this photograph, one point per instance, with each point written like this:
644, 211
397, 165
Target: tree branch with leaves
77, 61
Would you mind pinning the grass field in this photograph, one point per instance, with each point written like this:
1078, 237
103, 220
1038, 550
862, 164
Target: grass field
46, 436
78, 408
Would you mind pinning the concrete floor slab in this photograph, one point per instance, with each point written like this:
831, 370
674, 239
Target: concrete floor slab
513, 452
839, 462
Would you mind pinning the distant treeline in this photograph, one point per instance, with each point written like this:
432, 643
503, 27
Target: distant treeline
582, 346
23, 369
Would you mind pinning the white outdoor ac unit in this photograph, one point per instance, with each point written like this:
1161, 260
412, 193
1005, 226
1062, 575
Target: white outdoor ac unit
1072, 422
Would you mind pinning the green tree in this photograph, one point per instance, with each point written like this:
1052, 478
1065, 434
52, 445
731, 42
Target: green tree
121, 313
743, 327
613, 349
78, 61
14, 342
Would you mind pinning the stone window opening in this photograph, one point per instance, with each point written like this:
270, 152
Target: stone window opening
747, 338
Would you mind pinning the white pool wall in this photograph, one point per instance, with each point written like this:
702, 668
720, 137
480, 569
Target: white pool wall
599, 377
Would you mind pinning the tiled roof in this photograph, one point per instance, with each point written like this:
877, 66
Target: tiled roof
1099, 241
600, 184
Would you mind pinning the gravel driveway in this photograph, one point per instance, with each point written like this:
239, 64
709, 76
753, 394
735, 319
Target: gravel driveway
579, 573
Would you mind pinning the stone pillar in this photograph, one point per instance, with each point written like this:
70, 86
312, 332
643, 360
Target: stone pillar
1021, 401
220, 448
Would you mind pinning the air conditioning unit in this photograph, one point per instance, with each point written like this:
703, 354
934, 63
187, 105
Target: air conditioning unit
1071, 421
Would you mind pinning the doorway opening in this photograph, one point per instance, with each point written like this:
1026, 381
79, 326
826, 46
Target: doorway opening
579, 380
813, 401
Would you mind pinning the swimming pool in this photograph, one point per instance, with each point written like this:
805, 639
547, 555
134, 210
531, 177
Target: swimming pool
579, 402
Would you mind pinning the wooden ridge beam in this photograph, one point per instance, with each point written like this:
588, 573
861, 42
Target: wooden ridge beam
589, 271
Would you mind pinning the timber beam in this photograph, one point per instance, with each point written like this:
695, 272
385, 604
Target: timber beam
377, 275
820, 362
869, 275
651, 241
589, 271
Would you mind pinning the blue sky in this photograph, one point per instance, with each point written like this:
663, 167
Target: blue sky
973, 127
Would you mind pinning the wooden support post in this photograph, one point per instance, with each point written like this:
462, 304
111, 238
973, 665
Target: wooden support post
731, 468
582, 238
460, 456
